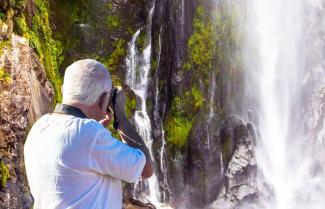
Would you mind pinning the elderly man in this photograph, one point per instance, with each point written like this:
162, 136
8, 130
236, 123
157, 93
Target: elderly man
72, 161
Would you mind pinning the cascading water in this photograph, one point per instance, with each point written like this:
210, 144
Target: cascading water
277, 63
138, 67
163, 167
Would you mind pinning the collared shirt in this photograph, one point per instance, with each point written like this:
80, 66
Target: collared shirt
75, 163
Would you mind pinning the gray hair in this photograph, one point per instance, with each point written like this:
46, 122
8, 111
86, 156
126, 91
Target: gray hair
85, 81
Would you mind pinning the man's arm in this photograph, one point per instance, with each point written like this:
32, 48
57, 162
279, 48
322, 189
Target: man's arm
130, 135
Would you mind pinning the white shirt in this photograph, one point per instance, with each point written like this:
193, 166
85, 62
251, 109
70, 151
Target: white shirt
75, 163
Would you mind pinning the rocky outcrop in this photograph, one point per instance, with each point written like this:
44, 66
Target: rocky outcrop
239, 182
25, 95
129, 203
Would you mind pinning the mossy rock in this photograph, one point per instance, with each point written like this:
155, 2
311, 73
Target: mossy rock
4, 173
4, 76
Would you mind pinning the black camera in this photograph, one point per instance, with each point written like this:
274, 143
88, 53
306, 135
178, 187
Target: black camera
111, 104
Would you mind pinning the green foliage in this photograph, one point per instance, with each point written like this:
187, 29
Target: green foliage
130, 105
41, 40
177, 124
4, 173
109, 6
114, 132
117, 55
72, 11
4, 44
226, 149
17, 4
2, 16
113, 22
154, 64
141, 41
201, 44
178, 129
4, 76
20, 26
181, 115
197, 96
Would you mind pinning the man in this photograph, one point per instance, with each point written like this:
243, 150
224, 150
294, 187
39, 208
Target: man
72, 161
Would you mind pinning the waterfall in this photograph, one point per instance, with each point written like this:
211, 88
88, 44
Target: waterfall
163, 167
138, 67
281, 79
137, 77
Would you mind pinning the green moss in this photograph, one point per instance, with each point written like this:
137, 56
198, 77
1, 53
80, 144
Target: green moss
4, 44
2, 16
71, 12
198, 97
4, 76
226, 149
109, 6
201, 44
4, 173
178, 129
154, 64
113, 22
17, 4
20, 26
130, 105
178, 123
141, 41
114, 132
117, 55
41, 40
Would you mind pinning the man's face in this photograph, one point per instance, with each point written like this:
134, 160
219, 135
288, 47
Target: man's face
99, 109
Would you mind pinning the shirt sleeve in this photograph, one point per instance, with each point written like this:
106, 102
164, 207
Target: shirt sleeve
109, 156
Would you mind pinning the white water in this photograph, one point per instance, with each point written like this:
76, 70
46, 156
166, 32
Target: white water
277, 43
163, 167
138, 68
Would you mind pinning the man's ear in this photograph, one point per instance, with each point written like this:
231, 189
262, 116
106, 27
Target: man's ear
103, 101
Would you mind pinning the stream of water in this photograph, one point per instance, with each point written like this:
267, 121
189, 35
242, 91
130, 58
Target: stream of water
283, 71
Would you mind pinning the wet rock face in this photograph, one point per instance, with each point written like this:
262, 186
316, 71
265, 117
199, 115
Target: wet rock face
205, 170
239, 183
221, 164
98, 29
25, 95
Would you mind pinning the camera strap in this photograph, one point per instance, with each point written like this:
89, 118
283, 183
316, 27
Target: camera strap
69, 110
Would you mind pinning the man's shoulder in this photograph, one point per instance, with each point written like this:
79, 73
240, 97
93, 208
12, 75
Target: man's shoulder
69, 121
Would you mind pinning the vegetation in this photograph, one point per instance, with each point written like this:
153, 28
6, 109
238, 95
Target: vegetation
180, 119
141, 41
226, 149
201, 44
130, 105
4, 76
41, 40
2, 16
117, 55
178, 125
113, 22
4, 173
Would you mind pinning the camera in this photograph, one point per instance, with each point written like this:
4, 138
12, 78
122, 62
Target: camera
111, 104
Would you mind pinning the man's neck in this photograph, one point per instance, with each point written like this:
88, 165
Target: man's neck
84, 108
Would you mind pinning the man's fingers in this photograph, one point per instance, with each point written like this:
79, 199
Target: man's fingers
107, 120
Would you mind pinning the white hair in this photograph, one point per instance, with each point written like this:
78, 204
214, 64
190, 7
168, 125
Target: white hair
85, 81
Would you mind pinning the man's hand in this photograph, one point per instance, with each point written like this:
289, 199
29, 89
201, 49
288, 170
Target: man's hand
106, 120
129, 133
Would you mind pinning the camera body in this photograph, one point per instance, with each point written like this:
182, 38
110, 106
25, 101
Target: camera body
111, 104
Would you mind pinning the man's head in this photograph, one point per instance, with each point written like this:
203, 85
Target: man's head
87, 85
